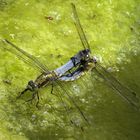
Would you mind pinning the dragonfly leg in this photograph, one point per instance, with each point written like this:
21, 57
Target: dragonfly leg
33, 96
37, 99
52, 89
21, 93
31, 86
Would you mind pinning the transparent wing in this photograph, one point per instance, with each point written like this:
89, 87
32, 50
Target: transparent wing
126, 93
66, 108
123, 91
24, 56
71, 99
79, 28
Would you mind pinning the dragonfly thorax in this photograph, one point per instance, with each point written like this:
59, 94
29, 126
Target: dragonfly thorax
89, 64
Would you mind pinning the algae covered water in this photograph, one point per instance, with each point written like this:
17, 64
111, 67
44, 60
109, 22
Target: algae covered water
46, 30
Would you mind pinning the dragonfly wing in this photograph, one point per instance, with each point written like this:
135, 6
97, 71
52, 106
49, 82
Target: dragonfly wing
123, 91
65, 106
24, 56
66, 92
80, 29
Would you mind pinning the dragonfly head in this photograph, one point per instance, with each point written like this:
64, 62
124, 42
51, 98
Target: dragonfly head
86, 54
31, 86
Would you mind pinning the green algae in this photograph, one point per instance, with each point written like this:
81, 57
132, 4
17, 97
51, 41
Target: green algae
112, 28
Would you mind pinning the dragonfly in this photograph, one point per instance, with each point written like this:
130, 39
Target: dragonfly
64, 73
76, 67
91, 64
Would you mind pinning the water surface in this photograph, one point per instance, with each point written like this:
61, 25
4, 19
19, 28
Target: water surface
46, 30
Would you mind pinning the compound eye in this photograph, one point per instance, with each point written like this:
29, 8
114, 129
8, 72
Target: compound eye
30, 83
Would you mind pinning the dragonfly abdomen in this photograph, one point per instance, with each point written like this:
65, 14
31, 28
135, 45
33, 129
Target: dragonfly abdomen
72, 76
